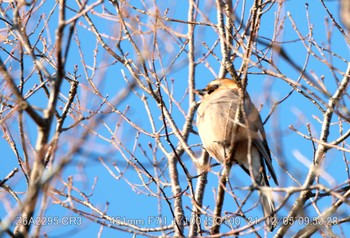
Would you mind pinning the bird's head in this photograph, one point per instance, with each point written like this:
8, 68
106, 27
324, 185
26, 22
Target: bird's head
215, 85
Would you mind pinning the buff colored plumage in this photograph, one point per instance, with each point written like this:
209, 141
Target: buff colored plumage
219, 132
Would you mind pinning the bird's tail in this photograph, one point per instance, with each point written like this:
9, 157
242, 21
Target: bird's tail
268, 205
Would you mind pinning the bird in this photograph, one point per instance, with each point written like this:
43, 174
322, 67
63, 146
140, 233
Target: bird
222, 133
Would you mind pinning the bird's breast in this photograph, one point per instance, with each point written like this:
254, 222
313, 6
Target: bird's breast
216, 124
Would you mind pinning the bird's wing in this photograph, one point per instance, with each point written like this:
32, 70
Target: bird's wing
260, 139
263, 148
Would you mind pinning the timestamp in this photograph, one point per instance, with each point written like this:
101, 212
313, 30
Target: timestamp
317, 221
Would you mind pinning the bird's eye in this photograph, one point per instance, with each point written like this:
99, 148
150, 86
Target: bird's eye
212, 88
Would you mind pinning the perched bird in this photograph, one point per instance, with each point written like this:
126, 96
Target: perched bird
222, 134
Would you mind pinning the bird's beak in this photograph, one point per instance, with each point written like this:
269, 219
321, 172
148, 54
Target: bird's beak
200, 92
